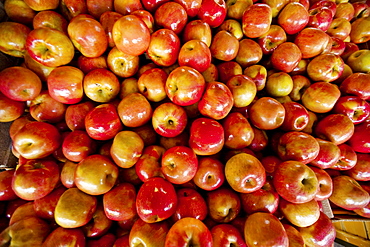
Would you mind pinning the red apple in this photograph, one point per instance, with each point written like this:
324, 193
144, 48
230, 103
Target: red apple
148, 207
64, 236
42, 5
269, 41
286, 57
312, 42
238, 131
320, 17
44, 207
44, 108
236, 8
224, 46
77, 145
151, 84
149, 163
245, 173
360, 171
169, 119
258, 74
328, 155
206, 136
50, 19
274, 233
199, 30
103, 122
212, 12
172, 16
293, 18
195, 54
354, 85
325, 184
10, 109
188, 231
325, 67
190, 204
249, 53
226, 70
37, 140
266, 113
210, 174
296, 117
256, 20
360, 138
295, 181
143, 233
6, 191
300, 214
75, 115
97, 8
122, 64
191, 88
131, 35
19, 11
227, 235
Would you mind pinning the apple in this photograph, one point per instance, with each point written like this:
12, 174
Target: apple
50, 47
256, 20
358, 61
149, 163
227, 235
212, 12
223, 204
245, 173
70, 8
293, 18
232, 26
191, 88
107, 20
312, 42
347, 159
321, 233
320, 17
19, 11
44, 207
65, 236
266, 113
206, 136
325, 67
296, 117
77, 145
198, 30
164, 47
172, 16
179, 164
147, 133
126, 149
103, 122
340, 28
238, 131
279, 84
320, 97
10, 109
216, 101
134, 110
42, 5
143, 233
131, 35
224, 46
270, 162
300, 214
210, 174
325, 183
23, 211
348, 193
148, 207
195, 54
249, 53
19, 83
74, 208
97, 8
122, 64
236, 8
359, 141
286, 57
329, 154
354, 107
274, 233
266, 199
295, 182
75, 115
44, 108
243, 89
151, 84
86, 64
226, 70
37, 140
360, 171
269, 41
189, 231
258, 74
294, 236
190, 204
7, 193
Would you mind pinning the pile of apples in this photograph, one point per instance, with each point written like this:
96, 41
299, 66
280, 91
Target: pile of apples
185, 122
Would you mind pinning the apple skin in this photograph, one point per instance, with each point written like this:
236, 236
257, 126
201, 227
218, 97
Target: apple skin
148, 207
65, 237
348, 193
95, 174
360, 171
245, 173
164, 47
339, 28
212, 12
293, 18
359, 141
224, 46
19, 11
151, 84
134, 110
50, 19
250, 52
279, 84
298, 146
238, 131
321, 233
122, 64
294, 236
75, 115
320, 97
187, 231
190, 204
266, 113
210, 174
320, 17
198, 30
217, 101
206, 136
312, 42
74, 208
354, 107
113, 201
143, 233
223, 204
300, 214
6, 191
325, 67
44, 207
342, 132
169, 119
256, 20
282, 61
126, 149
269, 41
37, 140
359, 32
77, 145
19, 83
296, 117
353, 85
149, 163
13, 38
103, 122
227, 235
185, 94
101, 85
107, 20
128, 30
172, 16
265, 199
11, 109
243, 89
227, 70
270, 225
328, 155
347, 159
195, 54
287, 180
